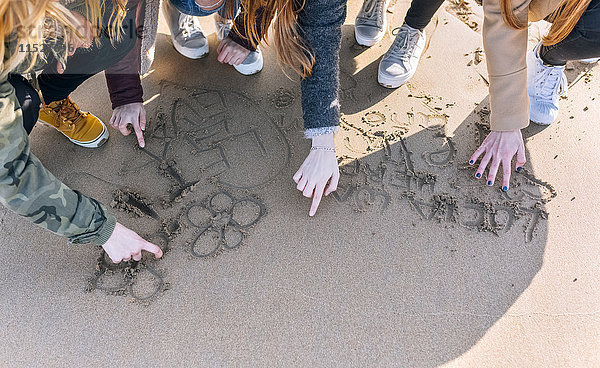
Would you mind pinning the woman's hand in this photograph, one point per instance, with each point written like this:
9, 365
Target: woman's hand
499, 148
318, 168
125, 244
231, 52
134, 114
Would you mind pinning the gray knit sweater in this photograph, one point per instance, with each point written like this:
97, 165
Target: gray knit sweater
321, 27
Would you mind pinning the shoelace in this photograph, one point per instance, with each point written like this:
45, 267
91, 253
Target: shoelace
370, 12
551, 82
223, 28
404, 40
69, 114
189, 25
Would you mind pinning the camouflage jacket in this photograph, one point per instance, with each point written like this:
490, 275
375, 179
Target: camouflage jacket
28, 189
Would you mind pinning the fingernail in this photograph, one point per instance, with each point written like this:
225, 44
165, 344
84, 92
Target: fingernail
478, 175
490, 182
471, 162
519, 169
504, 188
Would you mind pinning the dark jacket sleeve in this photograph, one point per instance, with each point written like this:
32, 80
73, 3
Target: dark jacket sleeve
123, 78
239, 34
320, 23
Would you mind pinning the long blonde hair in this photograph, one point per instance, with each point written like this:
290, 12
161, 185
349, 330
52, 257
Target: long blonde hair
292, 50
565, 17
26, 24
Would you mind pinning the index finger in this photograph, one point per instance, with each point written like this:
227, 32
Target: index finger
149, 247
318, 194
139, 134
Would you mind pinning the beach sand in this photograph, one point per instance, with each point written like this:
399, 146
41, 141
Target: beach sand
411, 263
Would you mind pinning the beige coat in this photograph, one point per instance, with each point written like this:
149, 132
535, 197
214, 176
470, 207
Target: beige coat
506, 50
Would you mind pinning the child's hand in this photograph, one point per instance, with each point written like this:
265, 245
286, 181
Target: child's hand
125, 244
134, 114
231, 52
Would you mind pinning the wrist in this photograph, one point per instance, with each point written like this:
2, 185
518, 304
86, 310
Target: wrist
325, 140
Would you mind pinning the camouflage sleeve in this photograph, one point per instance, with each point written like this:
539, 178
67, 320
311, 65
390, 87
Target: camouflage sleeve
30, 190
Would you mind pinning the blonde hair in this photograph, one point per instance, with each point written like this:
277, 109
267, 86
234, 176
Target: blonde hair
292, 50
95, 11
26, 24
565, 17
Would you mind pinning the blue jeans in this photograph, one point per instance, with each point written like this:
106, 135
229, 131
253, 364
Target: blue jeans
189, 7
582, 43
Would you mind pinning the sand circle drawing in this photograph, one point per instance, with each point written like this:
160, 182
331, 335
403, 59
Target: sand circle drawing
137, 279
220, 222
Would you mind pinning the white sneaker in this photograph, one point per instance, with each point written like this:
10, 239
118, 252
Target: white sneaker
223, 28
400, 62
186, 33
545, 84
252, 64
371, 23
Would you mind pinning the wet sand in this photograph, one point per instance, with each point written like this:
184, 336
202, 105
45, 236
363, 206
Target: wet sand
411, 263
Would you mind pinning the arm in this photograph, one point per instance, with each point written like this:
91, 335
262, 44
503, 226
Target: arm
123, 78
506, 49
30, 190
125, 87
320, 23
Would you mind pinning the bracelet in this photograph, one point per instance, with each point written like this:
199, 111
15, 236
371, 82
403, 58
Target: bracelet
322, 148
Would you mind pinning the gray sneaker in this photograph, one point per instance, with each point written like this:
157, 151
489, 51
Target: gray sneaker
186, 32
400, 62
371, 23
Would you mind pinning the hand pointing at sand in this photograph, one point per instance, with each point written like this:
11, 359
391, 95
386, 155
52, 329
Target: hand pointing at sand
124, 244
319, 168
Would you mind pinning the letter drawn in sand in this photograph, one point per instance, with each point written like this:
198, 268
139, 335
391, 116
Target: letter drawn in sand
379, 160
217, 136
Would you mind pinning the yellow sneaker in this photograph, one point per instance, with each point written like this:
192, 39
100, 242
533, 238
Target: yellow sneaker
82, 128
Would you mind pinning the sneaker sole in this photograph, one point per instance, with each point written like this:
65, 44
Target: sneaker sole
98, 142
392, 82
540, 123
369, 41
191, 53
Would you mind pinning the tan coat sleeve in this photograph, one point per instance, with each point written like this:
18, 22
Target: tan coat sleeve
506, 49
